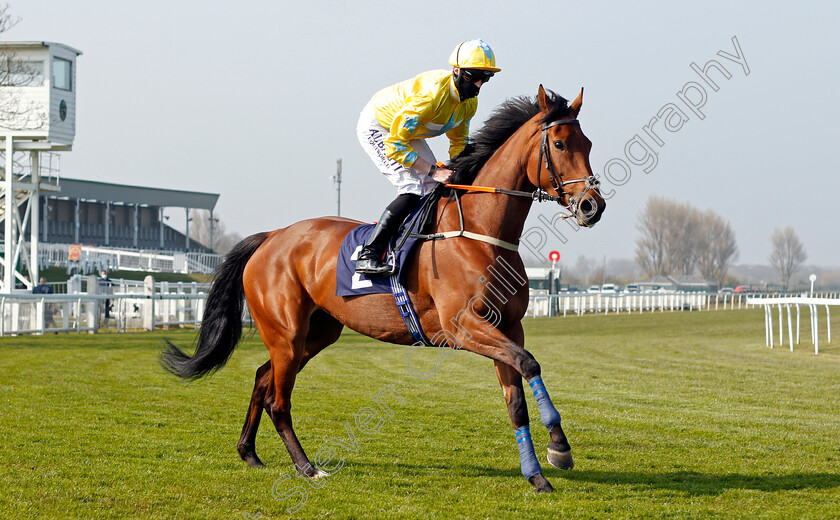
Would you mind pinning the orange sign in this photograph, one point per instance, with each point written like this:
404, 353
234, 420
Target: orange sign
75, 252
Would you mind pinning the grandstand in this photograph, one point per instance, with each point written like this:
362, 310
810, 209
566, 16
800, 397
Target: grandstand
120, 216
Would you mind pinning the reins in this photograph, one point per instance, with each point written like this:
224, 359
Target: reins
538, 195
459, 233
557, 182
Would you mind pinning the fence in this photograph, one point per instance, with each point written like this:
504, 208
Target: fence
581, 303
783, 303
135, 305
91, 306
39, 314
94, 259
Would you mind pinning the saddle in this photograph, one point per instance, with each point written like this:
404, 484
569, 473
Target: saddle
413, 230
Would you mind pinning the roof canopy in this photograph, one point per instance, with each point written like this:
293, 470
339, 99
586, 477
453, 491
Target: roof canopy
107, 192
22, 45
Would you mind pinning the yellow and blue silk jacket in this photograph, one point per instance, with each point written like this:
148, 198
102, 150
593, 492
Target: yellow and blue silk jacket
421, 107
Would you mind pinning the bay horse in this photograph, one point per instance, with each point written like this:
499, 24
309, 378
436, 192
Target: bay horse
530, 149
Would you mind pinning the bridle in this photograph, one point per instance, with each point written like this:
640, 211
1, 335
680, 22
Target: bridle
557, 182
539, 195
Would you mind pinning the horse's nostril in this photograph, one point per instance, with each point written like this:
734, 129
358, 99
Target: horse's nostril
588, 211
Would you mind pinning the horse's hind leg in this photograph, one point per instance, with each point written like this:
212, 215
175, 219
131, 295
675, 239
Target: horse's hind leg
324, 330
247, 441
291, 347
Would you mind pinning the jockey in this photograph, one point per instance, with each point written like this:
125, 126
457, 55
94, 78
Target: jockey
394, 124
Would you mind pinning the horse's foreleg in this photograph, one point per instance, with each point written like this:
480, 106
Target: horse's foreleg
511, 383
508, 350
559, 451
247, 441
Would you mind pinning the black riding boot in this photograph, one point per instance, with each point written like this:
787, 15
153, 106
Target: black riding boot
371, 260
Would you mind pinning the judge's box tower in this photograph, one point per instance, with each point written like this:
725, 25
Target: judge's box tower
37, 120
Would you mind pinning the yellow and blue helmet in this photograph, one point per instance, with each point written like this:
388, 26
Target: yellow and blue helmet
474, 54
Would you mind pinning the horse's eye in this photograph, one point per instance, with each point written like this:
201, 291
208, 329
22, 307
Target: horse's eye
560, 145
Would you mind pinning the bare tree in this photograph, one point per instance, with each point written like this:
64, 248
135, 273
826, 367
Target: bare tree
17, 112
788, 253
716, 247
582, 270
667, 244
7, 21
650, 248
680, 239
223, 241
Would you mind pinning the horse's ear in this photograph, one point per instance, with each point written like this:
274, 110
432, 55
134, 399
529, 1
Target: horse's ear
545, 105
574, 108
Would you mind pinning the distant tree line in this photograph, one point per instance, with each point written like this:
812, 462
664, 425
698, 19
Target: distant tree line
679, 239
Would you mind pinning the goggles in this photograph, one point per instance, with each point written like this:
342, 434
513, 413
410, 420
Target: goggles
473, 75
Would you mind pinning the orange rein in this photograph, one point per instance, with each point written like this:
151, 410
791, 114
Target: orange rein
486, 189
538, 195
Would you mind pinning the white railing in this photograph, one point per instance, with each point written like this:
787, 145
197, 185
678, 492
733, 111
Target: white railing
788, 303
88, 304
39, 314
78, 284
94, 259
579, 303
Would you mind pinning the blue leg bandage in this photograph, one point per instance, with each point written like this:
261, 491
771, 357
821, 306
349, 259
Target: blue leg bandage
548, 413
527, 458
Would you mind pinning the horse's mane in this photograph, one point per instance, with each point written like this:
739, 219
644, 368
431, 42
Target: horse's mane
506, 119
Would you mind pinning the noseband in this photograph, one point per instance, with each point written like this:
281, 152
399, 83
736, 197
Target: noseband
557, 181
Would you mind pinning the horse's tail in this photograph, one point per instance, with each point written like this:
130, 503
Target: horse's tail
221, 326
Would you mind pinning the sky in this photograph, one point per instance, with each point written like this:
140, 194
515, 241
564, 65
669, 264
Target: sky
256, 100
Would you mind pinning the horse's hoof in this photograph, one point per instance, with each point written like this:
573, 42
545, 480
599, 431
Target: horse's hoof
319, 474
254, 462
541, 485
251, 458
560, 459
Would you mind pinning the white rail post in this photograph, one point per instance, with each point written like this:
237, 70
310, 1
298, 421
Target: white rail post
766, 329
828, 322
182, 306
781, 326
39, 315
149, 308
93, 309
92, 315
790, 328
816, 330
79, 315
769, 311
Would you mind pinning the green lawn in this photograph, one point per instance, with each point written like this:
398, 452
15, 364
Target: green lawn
670, 415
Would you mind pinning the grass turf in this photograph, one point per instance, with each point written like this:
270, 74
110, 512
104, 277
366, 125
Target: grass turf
670, 415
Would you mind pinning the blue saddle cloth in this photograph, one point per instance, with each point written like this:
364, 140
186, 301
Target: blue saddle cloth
350, 283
